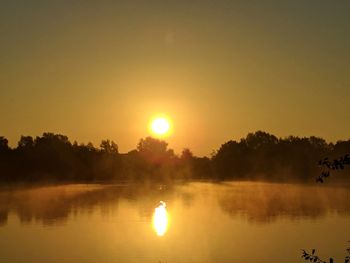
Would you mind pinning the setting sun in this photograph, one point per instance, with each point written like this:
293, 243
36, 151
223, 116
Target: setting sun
160, 126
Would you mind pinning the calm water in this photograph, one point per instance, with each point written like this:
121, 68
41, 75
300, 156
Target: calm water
198, 222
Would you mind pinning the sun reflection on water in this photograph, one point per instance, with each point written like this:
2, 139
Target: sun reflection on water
160, 219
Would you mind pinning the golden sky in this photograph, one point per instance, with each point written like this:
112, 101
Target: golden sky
219, 69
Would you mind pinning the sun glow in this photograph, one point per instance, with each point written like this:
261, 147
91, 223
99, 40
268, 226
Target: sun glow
160, 219
160, 126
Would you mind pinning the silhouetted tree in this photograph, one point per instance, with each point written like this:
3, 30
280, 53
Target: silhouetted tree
186, 154
157, 161
26, 142
3, 144
108, 146
259, 155
5, 159
260, 140
232, 161
264, 156
336, 164
154, 150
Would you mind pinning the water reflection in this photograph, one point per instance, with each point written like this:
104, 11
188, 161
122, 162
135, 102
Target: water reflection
256, 202
160, 219
52, 205
208, 222
268, 202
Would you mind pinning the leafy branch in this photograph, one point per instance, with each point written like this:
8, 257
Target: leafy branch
347, 257
335, 165
314, 258
327, 166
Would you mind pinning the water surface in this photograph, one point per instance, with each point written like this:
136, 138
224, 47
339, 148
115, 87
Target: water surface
198, 222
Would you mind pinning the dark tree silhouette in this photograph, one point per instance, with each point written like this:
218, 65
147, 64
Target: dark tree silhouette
186, 155
26, 142
3, 144
336, 164
265, 157
314, 258
108, 146
258, 156
154, 150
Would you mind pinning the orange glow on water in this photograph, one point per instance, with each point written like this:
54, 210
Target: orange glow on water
160, 219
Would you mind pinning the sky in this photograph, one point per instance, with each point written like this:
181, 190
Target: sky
219, 69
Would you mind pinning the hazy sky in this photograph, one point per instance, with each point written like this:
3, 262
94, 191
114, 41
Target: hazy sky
220, 69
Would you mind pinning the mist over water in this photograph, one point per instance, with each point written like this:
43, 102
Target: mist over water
203, 222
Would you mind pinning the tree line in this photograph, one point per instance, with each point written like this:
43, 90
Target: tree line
258, 156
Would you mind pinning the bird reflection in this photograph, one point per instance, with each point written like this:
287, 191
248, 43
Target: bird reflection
160, 219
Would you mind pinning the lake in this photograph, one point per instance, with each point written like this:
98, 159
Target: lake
194, 222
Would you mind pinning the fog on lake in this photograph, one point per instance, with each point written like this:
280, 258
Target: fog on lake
194, 222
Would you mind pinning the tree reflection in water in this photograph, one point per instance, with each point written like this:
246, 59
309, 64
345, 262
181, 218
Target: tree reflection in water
257, 202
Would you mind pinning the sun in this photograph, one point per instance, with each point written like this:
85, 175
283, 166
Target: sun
160, 126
